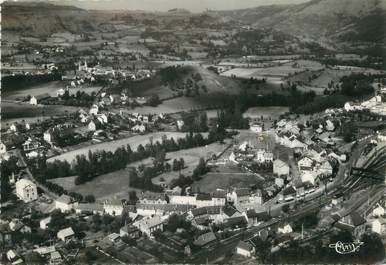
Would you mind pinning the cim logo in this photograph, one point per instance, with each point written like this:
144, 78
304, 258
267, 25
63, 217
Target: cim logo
346, 248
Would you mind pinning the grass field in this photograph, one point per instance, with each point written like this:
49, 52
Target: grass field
227, 177
267, 112
108, 186
17, 111
191, 158
113, 145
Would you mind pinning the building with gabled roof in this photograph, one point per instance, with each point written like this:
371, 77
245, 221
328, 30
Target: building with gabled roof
245, 249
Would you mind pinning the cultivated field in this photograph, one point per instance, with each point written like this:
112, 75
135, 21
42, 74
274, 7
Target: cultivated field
272, 74
113, 145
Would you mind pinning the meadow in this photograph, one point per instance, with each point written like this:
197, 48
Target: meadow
134, 142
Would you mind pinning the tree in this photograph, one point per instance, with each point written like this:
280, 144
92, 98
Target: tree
89, 198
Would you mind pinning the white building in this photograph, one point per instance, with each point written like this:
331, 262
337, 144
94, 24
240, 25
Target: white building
64, 203
91, 126
280, 168
44, 222
378, 226
262, 156
149, 225
245, 249
257, 128
378, 211
287, 229
94, 110
33, 101
113, 207
65, 234
26, 190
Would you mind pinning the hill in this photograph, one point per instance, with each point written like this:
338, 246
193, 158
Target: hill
38, 19
353, 20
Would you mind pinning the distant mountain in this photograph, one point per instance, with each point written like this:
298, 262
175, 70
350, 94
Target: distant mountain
359, 20
38, 19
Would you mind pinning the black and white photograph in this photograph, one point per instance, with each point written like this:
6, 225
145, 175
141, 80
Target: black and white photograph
193, 132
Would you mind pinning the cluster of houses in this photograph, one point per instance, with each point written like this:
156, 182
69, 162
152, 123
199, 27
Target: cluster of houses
246, 152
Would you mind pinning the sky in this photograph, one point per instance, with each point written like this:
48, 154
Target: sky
164, 5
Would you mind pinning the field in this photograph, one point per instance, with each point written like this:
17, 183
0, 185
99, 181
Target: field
272, 74
191, 158
228, 177
116, 184
108, 186
112, 146
272, 113
17, 111
49, 88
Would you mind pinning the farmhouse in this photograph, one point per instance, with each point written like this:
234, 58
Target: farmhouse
44, 222
239, 196
205, 239
30, 145
26, 190
130, 231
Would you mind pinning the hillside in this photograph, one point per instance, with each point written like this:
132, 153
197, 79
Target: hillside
42, 19
356, 20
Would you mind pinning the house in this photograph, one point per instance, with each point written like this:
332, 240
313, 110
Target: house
255, 218
94, 110
66, 234
239, 196
30, 145
181, 199
33, 101
44, 222
55, 258
114, 237
379, 211
279, 182
149, 225
262, 156
256, 198
92, 126
308, 177
286, 229
203, 200
330, 126
139, 128
205, 239
354, 223
378, 226
17, 225
130, 231
26, 190
64, 203
3, 148
245, 249
113, 207
93, 208
257, 128
60, 92
218, 198
305, 163
324, 169
180, 124
14, 257
280, 168
152, 198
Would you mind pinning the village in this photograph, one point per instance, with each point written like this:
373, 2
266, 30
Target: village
145, 137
